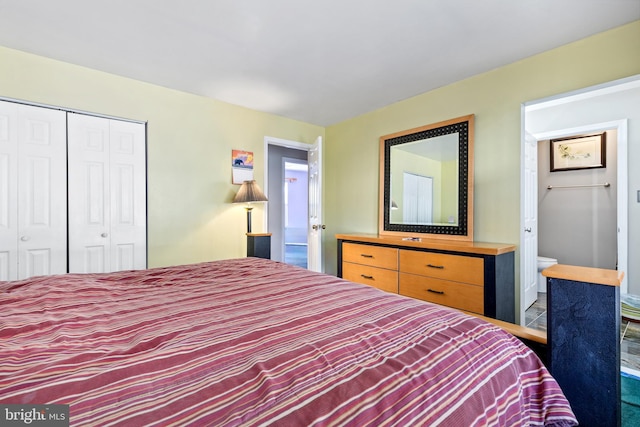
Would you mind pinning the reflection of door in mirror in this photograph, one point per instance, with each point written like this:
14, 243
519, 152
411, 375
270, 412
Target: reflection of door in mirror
417, 198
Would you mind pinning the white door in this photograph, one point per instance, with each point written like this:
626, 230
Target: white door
42, 191
107, 201
128, 196
314, 237
89, 213
417, 199
8, 191
529, 252
33, 191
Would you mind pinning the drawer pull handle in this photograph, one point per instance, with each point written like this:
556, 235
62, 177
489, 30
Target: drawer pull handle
433, 291
366, 255
367, 277
441, 267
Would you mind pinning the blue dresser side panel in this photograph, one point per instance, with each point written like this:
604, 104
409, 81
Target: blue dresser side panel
584, 346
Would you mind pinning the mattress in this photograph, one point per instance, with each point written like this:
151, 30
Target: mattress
250, 342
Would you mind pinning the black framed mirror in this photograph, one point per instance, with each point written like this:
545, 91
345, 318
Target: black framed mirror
426, 181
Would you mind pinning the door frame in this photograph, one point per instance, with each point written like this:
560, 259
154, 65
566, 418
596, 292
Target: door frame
622, 174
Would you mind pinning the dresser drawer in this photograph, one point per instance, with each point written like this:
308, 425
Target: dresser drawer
444, 292
376, 256
458, 268
386, 280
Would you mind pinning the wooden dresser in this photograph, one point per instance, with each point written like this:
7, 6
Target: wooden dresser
470, 276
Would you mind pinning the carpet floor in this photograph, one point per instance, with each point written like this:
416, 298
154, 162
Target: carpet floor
630, 387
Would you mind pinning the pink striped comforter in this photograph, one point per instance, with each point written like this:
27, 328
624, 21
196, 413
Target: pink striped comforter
255, 342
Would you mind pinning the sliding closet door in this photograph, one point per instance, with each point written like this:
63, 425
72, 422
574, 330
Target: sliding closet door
107, 195
33, 209
8, 191
128, 195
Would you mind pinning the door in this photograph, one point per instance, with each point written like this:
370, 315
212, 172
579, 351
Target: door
33, 207
42, 185
107, 200
417, 198
128, 203
88, 194
529, 253
314, 236
8, 191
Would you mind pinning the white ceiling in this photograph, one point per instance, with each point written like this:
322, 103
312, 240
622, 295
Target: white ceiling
319, 61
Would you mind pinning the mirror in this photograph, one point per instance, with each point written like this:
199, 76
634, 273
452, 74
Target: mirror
426, 181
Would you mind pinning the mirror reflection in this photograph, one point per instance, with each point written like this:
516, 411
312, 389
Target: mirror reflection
426, 181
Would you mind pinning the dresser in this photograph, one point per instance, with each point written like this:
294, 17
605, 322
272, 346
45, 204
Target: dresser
470, 276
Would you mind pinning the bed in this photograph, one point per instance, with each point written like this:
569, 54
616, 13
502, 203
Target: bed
257, 342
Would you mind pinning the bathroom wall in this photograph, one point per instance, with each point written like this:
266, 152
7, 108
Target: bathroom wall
577, 226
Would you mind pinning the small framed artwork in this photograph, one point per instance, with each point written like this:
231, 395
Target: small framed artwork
242, 166
578, 152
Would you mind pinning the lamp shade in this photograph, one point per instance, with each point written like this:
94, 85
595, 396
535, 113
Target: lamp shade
249, 192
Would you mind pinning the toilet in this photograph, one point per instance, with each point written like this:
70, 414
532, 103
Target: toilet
544, 262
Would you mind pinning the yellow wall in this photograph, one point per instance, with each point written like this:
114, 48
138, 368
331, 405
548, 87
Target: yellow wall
495, 98
190, 138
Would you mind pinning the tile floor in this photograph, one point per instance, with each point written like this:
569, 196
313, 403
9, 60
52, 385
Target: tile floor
536, 318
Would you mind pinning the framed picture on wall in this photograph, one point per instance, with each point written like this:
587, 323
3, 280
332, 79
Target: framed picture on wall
242, 166
578, 152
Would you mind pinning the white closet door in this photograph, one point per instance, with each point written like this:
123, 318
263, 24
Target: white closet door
107, 195
89, 241
42, 191
417, 199
33, 191
8, 191
128, 196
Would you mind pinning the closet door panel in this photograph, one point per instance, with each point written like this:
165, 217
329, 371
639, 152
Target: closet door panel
128, 196
89, 239
107, 195
8, 191
42, 192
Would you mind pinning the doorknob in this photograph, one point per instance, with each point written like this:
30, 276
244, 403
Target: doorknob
528, 229
317, 227
25, 238
104, 235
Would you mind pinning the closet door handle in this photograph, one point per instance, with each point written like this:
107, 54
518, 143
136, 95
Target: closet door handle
105, 235
25, 238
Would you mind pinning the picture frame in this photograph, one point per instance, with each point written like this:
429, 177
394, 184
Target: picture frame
578, 152
241, 166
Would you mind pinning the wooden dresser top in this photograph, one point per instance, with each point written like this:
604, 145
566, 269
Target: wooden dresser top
598, 276
436, 244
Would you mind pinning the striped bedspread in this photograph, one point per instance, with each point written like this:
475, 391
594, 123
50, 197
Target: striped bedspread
256, 342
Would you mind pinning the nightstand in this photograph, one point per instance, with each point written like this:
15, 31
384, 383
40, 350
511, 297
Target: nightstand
259, 245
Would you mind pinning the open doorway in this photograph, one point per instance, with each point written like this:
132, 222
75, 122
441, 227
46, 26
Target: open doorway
598, 109
287, 209
295, 211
